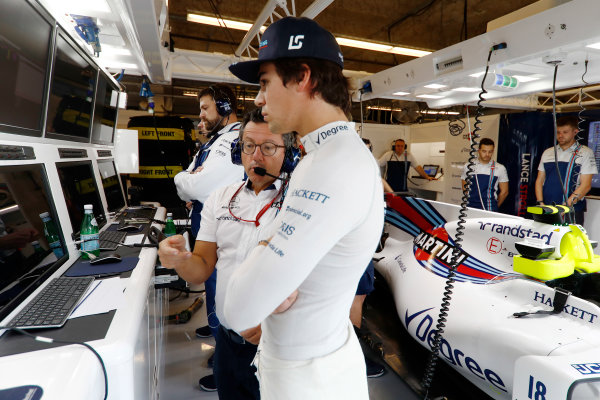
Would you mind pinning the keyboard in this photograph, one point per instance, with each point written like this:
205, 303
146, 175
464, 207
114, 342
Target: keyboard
109, 240
52, 306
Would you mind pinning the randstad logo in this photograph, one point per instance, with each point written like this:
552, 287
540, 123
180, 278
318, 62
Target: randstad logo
295, 42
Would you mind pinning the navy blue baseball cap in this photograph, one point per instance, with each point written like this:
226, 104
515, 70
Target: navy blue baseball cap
290, 37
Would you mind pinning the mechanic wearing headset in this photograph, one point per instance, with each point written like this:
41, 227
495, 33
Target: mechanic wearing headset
233, 219
211, 169
397, 163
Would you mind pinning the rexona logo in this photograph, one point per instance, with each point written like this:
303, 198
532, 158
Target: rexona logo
517, 231
453, 355
435, 244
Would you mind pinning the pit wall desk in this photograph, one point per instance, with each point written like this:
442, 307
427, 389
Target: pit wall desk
131, 344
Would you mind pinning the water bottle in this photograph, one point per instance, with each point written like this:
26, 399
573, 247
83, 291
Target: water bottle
51, 234
170, 226
89, 233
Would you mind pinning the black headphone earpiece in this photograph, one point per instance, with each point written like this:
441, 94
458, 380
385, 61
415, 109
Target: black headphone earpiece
222, 102
399, 140
290, 160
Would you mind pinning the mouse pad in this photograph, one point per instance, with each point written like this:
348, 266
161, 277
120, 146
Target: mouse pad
84, 268
113, 227
28, 392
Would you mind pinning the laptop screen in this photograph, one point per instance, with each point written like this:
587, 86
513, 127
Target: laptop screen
111, 185
80, 188
26, 258
431, 170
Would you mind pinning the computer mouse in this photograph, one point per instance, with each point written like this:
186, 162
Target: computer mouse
107, 259
129, 228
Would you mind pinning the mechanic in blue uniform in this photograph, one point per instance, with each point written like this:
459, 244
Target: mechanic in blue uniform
489, 184
576, 165
397, 162
211, 169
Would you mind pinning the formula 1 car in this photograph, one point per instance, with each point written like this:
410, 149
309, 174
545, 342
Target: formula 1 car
524, 315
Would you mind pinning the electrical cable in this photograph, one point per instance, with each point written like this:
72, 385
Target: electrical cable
462, 215
555, 147
50, 340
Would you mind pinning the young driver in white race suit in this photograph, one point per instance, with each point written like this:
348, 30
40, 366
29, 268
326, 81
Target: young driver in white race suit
315, 252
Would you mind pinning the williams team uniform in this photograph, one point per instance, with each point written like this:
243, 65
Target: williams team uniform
484, 184
572, 162
320, 242
218, 171
235, 239
397, 168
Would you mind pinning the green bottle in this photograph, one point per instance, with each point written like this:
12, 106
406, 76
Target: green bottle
170, 226
89, 233
51, 234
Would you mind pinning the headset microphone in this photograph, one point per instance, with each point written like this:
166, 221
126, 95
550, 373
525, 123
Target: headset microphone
262, 172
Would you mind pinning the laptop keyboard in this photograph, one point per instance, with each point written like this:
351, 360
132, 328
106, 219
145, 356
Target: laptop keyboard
52, 306
109, 240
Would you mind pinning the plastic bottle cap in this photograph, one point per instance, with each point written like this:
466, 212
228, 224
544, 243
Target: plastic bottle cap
88, 207
45, 215
35, 242
169, 215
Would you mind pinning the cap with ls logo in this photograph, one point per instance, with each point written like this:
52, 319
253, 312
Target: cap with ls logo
290, 37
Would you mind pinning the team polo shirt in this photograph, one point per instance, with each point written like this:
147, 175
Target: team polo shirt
392, 156
484, 184
218, 170
235, 238
572, 162
325, 234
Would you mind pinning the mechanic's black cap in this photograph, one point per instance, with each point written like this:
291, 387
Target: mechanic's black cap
291, 37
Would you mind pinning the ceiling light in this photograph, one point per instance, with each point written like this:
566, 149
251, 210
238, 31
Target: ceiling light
359, 44
221, 22
114, 51
594, 46
118, 65
432, 112
525, 78
77, 6
190, 93
477, 74
467, 89
400, 93
246, 98
429, 96
383, 47
381, 108
435, 86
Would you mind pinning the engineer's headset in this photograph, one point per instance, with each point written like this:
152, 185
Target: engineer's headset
222, 101
290, 160
399, 140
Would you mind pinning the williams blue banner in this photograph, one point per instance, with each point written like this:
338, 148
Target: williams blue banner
522, 138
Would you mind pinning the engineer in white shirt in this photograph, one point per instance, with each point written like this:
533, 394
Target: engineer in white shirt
315, 252
234, 218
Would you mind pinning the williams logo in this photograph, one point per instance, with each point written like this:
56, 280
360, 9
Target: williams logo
295, 42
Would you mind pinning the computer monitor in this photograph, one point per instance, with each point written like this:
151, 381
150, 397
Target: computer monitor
111, 185
25, 264
25, 41
105, 111
431, 169
72, 87
80, 188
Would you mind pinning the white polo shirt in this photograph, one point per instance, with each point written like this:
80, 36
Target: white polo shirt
321, 242
235, 238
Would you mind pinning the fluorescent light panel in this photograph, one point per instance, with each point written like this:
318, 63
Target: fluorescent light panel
359, 44
435, 86
400, 93
190, 93
467, 89
206, 20
594, 46
429, 96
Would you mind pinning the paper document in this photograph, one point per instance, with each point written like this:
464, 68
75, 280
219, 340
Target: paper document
102, 296
134, 239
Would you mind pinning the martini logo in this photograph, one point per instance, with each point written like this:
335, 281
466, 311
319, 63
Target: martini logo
435, 244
